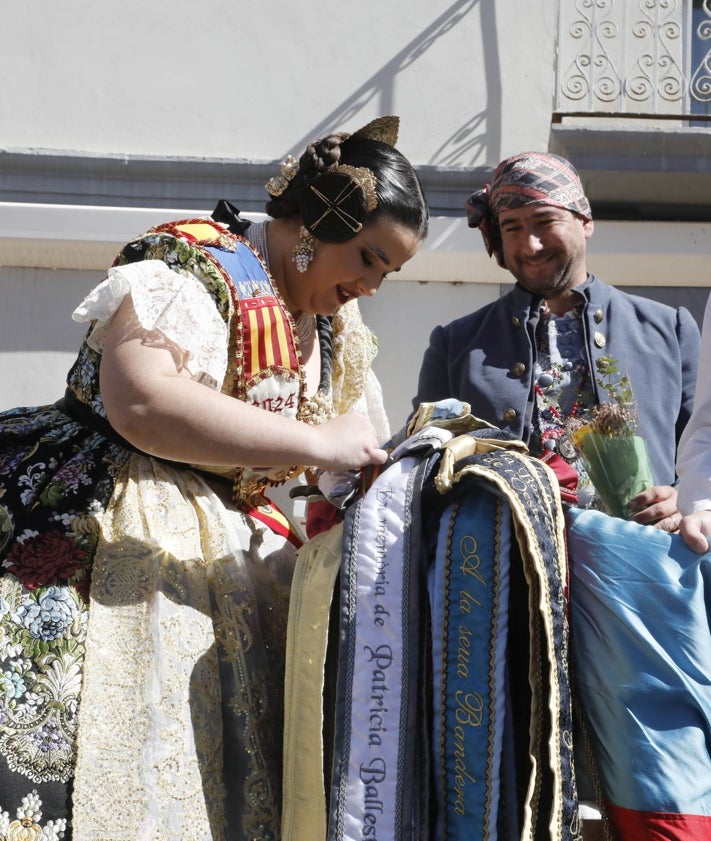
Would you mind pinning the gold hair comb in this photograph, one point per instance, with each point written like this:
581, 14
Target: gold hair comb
384, 129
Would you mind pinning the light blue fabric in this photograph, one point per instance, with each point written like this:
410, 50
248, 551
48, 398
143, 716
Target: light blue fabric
447, 409
640, 608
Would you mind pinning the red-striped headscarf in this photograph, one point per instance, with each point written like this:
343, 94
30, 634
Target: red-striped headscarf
526, 178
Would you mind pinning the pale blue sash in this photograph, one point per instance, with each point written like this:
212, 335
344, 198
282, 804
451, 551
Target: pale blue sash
375, 763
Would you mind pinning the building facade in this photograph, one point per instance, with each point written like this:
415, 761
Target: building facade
112, 120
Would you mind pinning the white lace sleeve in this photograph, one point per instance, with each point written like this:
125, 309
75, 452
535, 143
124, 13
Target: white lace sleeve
166, 300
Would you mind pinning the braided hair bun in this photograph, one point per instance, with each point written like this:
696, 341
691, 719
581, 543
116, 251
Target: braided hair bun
345, 180
316, 158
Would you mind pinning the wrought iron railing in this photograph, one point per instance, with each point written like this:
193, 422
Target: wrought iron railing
634, 59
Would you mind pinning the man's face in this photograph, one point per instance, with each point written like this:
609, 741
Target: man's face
544, 248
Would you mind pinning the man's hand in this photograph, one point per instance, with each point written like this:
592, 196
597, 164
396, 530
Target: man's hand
656, 506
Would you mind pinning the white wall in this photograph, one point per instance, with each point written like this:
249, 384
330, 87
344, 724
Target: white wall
402, 316
38, 340
225, 78
471, 79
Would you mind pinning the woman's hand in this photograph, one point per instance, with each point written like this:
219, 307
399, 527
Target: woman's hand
695, 528
349, 442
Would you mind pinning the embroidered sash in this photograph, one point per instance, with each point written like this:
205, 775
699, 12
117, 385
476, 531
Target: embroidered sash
304, 799
376, 760
269, 372
469, 595
549, 807
477, 743
265, 367
268, 369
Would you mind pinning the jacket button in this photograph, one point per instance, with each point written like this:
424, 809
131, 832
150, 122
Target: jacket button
516, 321
519, 369
600, 340
510, 415
599, 315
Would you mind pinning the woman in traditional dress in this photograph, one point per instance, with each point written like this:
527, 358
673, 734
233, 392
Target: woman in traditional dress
145, 575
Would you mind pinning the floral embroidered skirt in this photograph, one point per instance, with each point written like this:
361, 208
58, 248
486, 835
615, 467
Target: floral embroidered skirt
142, 627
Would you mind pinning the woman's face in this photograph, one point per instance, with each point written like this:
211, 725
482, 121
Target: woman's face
339, 272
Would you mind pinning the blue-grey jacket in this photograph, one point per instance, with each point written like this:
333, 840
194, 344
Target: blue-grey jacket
487, 359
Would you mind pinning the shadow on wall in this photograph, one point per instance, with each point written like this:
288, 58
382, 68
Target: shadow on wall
479, 137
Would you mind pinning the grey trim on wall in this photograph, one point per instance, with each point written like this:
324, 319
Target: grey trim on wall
661, 174
640, 172
40, 176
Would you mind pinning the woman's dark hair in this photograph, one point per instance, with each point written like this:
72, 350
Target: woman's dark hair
398, 190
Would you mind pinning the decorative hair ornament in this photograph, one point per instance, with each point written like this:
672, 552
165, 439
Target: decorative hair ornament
384, 129
303, 252
365, 179
359, 177
278, 183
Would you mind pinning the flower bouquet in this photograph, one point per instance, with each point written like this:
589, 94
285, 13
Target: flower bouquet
614, 453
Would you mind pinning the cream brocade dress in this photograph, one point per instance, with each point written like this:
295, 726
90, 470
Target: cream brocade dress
179, 728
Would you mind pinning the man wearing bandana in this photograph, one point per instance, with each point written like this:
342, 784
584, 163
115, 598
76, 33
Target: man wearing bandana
528, 362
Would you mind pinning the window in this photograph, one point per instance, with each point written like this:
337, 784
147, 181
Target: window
700, 71
635, 59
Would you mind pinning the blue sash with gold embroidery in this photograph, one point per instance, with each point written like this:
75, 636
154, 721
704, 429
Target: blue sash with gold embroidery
504, 745
469, 589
